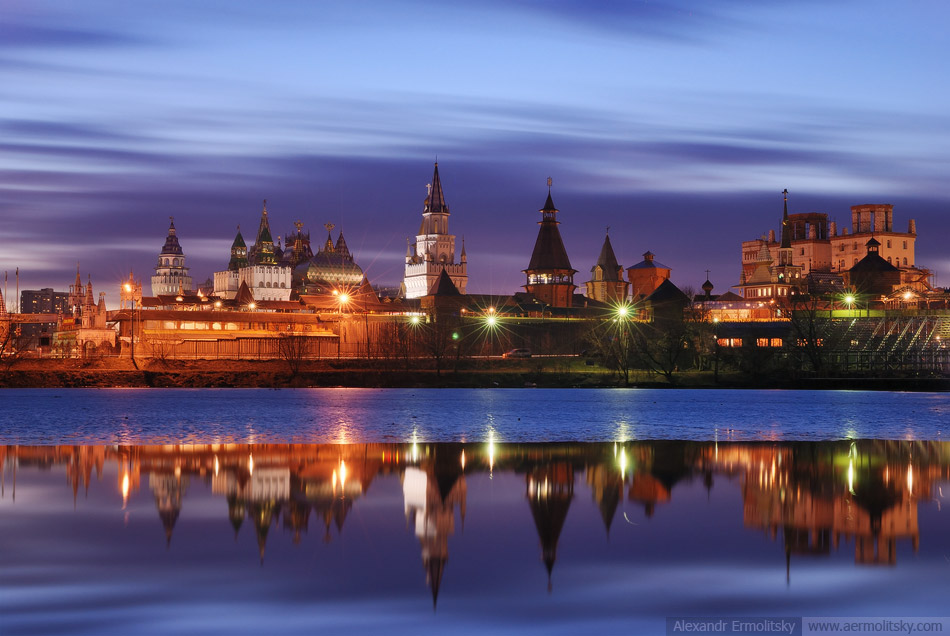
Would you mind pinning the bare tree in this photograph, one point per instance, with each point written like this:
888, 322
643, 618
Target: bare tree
293, 350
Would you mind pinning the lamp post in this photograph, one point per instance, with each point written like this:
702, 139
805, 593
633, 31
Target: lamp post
132, 293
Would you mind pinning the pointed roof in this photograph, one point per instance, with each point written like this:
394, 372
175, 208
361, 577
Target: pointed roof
171, 247
549, 252
341, 246
263, 230
244, 295
238, 240
435, 201
607, 261
786, 230
444, 286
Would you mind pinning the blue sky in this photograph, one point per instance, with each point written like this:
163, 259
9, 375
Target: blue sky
676, 124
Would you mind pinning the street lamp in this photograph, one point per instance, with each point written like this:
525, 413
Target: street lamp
132, 293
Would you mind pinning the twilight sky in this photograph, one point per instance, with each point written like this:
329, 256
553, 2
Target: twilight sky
676, 124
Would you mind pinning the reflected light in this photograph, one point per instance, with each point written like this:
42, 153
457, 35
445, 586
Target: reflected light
463, 460
342, 475
217, 466
623, 464
250, 464
491, 453
851, 475
910, 478
125, 489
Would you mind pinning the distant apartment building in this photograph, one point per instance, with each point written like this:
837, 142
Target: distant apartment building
41, 301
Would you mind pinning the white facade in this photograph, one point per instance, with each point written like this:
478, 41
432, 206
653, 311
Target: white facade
266, 282
226, 284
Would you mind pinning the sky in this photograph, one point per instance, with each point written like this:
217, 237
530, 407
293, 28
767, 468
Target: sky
676, 124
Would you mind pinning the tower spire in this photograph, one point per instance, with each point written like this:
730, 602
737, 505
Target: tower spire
786, 236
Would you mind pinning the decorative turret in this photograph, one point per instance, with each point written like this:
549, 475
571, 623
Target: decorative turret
238, 253
170, 272
550, 277
262, 253
434, 249
607, 283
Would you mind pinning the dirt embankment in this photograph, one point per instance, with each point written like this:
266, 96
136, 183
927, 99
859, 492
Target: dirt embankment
574, 372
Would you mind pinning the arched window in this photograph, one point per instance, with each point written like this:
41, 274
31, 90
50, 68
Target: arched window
905, 260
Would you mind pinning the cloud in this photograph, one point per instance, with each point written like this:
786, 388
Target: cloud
24, 35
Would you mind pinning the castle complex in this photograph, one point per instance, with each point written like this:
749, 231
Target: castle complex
266, 291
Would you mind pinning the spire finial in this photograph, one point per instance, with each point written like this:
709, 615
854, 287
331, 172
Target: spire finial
329, 227
707, 274
265, 207
785, 192
298, 224
550, 183
608, 230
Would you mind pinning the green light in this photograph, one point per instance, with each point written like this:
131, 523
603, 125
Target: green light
849, 299
455, 335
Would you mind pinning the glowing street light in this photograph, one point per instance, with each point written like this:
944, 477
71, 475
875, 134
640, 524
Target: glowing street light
414, 320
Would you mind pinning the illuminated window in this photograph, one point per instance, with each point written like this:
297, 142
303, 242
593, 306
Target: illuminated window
905, 260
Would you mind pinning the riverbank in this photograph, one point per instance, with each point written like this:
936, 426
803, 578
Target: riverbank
535, 372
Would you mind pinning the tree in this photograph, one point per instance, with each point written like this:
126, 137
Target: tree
293, 349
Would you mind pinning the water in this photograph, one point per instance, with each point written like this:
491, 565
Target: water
146, 416
529, 511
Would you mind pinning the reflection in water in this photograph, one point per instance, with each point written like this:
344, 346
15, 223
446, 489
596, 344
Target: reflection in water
808, 498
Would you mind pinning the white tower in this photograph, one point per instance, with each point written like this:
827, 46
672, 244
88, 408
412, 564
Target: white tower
434, 250
171, 275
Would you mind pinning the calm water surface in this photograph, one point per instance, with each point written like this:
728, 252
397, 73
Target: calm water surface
136, 416
501, 538
505, 511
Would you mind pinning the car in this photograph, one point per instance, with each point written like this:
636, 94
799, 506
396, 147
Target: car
518, 353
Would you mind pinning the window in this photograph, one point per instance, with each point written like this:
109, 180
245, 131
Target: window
905, 260
889, 261
905, 245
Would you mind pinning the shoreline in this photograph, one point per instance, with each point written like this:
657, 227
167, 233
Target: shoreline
533, 373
